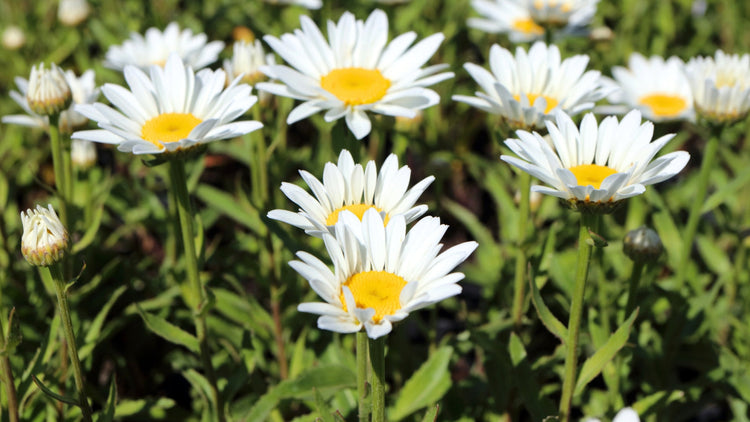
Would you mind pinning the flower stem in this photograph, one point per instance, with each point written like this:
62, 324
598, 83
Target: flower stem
519, 281
635, 280
70, 339
364, 410
576, 311
58, 163
197, 298
377, 360
709, 161
7, 378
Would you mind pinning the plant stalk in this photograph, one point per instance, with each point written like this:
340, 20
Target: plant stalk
377, 360
197, 299
520, 276
635, 280
362, 359
576, 312
70, 339
7, 374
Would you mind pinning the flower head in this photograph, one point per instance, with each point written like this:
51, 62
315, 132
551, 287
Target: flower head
247, 58
156, 47
48, 92
355, 71
655, 86
721, 86
506, 17
13, 37
625, 415
44, 239
82, 89
381, 272
561, 13
595, 167
309, 4
73, 12
349, 187
527, 89
643, 244
171, 111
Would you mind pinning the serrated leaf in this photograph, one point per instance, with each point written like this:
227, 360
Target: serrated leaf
168, 331
549, 320
594, 365
49, 393
428, 385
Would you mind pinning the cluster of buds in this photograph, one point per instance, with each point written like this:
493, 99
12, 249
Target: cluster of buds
48, 93
44, 239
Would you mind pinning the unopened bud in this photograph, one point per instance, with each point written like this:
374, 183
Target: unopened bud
73, 12
82, 153
643, 244
48, 92
44, 239
13, 38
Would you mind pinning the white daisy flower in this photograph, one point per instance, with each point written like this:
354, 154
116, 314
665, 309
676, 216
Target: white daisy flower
349, 187
247, 58
721, 86
44, 239
625, 415
560, 13
506, 17
83, 90
309, 4
526, 89
596, 165
381, 272
156, 47
355, 71
657, 87
172, 110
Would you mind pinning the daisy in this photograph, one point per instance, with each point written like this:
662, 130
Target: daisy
247, 58
44, 239
526, 89
355, 71
309, 4
507, 17
561, 13
156, 47
625, 415
172, 110
657, 87
83, 90
721, 86
349, 187
595, 165
381, 273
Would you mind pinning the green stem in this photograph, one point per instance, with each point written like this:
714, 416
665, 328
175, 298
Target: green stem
259, 168
58, 163
576, 311
377, 359
635, 280
709, 161
364, 410
520, 276
7, 377
197, 298
70, 338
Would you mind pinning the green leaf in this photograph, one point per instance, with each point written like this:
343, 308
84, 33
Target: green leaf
431, 415
323, 410
428, 385
169, 331
594, 365
155, 409
49, 393
528, 387
91, 231
727, 190
326, 379
242, 213
108, 413
549, 320
660, 399
92, 336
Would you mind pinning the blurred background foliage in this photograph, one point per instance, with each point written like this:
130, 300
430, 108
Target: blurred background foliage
688, 358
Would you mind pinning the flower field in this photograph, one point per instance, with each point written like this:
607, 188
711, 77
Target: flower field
371, 210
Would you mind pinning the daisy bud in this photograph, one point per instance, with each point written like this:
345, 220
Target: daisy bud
13, 38
48, 91
44, 239
82, 153
73, 12
643, 244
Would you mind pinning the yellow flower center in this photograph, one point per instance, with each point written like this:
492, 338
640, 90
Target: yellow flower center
551, 102
591, 174
357, 209
355, 85
169, 127
379, 290
664, 105
527, 26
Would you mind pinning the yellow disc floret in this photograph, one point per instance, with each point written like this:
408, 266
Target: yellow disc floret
591, 174
169, 127
355, 85
664, 105
379, 290
356, 209
551, 102
527, 26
